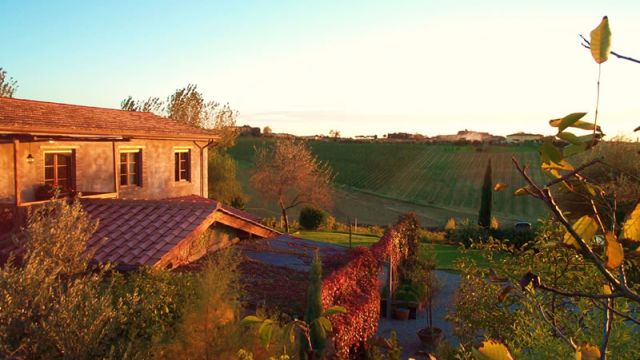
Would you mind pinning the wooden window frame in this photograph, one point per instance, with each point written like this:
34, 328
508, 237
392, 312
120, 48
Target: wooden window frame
179, 170
71, 169
138, 168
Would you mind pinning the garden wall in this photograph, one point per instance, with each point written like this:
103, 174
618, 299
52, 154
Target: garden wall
356, 286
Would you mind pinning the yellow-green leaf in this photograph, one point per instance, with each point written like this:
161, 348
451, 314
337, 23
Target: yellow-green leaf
499, 187
578, 124
562, 165
631, 227
572, 149
491, 350
251, 319
601, 41
586, 227
569, 120
587, 352
336, 309
549, 152
615, 253
264, 332
569, 137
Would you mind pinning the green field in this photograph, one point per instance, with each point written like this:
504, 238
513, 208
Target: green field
445, 255
437, 181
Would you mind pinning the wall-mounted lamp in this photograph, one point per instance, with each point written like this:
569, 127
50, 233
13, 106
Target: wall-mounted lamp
30, 157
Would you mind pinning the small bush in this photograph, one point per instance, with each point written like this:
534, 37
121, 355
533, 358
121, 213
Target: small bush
450, 225
466, 233
311, 218
428, 236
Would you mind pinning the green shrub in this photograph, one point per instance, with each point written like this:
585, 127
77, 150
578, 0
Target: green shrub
467, 233
311, 218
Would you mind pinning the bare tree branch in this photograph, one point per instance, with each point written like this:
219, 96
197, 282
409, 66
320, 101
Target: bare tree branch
608, 322
587, 45
545, 195
574, 172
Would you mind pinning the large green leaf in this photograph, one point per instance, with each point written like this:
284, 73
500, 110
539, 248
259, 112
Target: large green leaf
569, 120
336, 309
548, 153
569, 137
601, 41
587, 352
578, 124
614, 251
491, 350
251, 319
631, 227
572, 149
324, 323
586, 227
265, 331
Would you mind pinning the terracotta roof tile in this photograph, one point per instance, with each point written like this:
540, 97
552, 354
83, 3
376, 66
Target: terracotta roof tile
141, 232
30, 116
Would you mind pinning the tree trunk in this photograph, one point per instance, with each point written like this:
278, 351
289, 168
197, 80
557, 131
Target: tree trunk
285, 219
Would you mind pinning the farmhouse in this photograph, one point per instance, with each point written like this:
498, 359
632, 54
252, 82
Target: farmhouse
521, 137
144, 177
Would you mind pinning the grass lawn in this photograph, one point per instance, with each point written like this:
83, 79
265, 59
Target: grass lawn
445, 254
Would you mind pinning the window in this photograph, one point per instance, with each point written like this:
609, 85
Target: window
58, 170
183, 165
131, 168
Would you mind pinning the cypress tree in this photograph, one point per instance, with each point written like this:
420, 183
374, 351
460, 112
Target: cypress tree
314, 310
484, 217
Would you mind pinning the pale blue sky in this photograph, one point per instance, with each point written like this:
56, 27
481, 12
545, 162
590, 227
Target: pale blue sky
361, 67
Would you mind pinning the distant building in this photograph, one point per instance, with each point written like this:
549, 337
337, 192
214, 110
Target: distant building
406, 136
470, 136
366, 137
246, 130
521, 137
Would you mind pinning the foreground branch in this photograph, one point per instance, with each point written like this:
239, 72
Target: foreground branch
548, 199
587, 45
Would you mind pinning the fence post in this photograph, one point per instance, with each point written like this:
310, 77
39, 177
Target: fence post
390, 287
349, 232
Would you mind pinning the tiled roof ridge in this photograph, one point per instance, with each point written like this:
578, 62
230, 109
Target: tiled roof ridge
164, 202
83, 106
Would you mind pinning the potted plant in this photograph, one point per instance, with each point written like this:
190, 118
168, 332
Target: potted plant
48, 191
430, 336
401, 313
407, 297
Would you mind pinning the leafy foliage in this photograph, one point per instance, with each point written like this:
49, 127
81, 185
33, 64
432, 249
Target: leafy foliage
8, 86
222, 179
311, 218
290, 175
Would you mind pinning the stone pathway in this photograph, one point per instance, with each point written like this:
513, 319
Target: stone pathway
407, 330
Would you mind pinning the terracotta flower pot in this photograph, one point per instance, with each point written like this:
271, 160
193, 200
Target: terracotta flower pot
401, 313
431, 337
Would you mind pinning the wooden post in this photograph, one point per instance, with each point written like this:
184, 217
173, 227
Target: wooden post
348, 219
115, 169
390, 287
355, 227
16, 182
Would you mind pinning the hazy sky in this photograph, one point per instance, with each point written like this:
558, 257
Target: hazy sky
361, 67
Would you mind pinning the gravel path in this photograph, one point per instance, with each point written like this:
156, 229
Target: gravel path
407, 330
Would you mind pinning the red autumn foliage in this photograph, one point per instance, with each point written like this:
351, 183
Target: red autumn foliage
356, 286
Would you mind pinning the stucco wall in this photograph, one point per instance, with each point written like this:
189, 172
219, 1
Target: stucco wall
94, 168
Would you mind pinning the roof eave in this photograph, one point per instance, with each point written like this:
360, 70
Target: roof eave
93, 134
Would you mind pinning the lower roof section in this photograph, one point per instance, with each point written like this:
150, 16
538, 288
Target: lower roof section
158, 233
